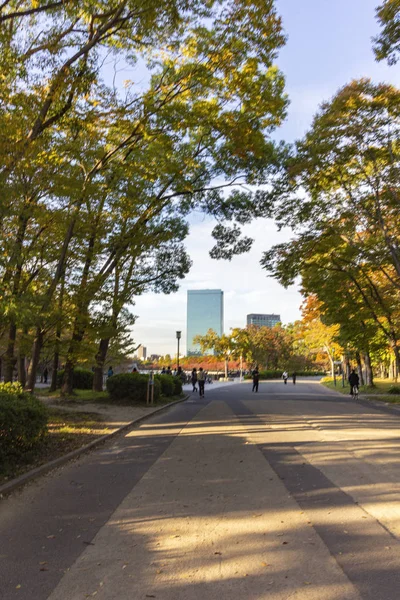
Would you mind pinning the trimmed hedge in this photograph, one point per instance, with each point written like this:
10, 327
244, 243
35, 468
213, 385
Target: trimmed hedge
177, 386
131, 387
83, 379
167, 384
23, 424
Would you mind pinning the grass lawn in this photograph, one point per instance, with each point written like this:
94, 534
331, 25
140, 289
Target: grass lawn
68, 431
77, 396
380, 391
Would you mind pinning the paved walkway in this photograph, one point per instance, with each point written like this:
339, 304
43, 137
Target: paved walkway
291, 493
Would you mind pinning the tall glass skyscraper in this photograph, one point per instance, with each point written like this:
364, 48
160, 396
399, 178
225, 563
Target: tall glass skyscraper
205, 310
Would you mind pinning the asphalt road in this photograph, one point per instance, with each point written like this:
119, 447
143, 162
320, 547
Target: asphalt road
291, 493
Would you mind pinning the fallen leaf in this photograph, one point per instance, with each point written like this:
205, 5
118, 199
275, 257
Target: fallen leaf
51, 537
217, 552
19, 586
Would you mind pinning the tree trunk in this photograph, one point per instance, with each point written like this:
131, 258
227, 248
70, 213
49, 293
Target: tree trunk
36, 350
369, 378
68, 380
54, 373
360, 369
396, 361
99, 368
9, 358
347, 366
21, 370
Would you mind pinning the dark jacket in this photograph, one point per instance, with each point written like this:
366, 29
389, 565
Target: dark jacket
354, 379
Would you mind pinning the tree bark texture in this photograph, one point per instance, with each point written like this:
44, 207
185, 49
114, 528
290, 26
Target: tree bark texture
99, 368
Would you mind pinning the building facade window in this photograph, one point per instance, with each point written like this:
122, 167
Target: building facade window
205, 310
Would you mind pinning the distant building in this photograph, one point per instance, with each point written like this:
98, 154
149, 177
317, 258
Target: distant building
263, 320
155, 357
205, 310
142, 352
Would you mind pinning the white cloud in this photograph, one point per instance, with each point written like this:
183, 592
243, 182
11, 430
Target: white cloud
246, 289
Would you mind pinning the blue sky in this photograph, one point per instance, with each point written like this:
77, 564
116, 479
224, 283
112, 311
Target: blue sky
329, 45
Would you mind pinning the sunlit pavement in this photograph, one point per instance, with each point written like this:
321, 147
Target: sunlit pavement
289, 493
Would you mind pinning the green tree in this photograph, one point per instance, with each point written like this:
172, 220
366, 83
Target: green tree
387, 43
341, 196
123, 165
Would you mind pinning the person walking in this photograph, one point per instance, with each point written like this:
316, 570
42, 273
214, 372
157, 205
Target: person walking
194, 379
294, 377
201, 381
45, 375
256, 379
168, 371
110, 372
285, 377
354, 381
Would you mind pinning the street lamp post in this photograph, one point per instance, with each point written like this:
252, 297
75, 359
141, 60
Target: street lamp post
178, 337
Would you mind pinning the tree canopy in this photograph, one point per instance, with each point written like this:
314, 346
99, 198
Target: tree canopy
387, 43
98, 179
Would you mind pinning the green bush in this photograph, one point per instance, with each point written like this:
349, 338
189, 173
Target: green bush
23, 424
131, 387
167, 384
177, 386
12, 389
394, 389
82, 380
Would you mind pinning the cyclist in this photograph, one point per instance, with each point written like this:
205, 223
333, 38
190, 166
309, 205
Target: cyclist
354, 381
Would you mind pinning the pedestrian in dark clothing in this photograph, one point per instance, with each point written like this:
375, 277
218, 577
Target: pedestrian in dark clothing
110, 372
163, 372
256, 379
201, 381
194, 379
294, 377
45, 375
354, 381
169, 372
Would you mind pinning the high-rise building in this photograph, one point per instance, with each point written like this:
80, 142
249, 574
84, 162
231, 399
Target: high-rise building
205, 310
142, 352
263, 320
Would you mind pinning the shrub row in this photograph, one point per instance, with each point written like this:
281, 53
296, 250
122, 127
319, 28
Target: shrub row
170, 385
82, 380
23, 422
132, 387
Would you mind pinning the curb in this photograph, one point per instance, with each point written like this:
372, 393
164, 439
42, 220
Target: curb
14, 484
